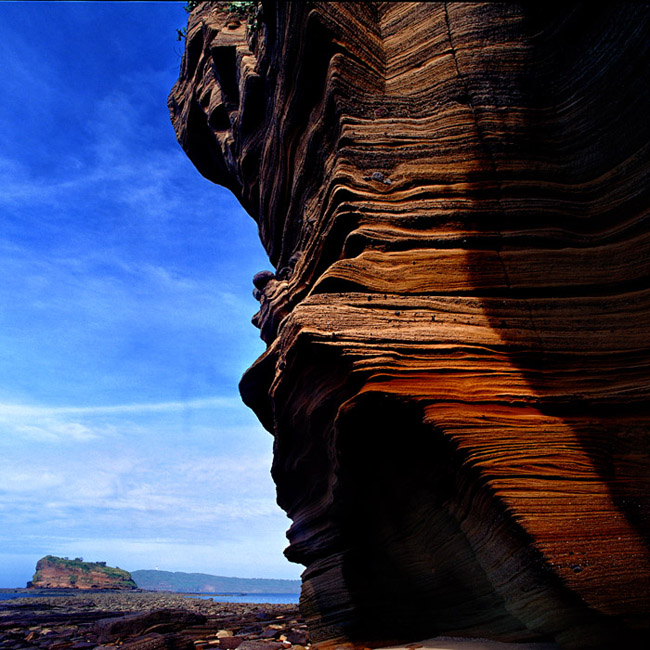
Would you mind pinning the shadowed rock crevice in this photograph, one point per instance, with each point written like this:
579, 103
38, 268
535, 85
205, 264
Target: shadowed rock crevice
408, 563
455, 200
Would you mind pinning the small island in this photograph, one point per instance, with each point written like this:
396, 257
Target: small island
54, 572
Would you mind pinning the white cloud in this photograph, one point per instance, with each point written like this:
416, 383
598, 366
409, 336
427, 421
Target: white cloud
50, 430
23, 410
87, 424
132, 479
23, 480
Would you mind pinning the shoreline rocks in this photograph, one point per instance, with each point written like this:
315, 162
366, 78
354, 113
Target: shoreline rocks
146, 621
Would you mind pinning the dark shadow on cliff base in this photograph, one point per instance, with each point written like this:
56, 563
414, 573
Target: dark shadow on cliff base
410, 569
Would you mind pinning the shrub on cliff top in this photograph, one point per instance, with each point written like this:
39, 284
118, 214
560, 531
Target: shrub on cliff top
242, 9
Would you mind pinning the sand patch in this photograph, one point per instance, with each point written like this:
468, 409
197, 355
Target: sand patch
454, 643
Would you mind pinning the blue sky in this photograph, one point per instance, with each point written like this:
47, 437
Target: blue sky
125, 311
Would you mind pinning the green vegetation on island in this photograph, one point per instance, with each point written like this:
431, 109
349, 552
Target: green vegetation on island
198, 583
62, 572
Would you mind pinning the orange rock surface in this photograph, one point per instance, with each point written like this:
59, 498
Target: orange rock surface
455, 197
62, 573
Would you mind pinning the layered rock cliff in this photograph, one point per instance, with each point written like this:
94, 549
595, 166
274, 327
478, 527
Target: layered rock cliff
61, 573
455, 197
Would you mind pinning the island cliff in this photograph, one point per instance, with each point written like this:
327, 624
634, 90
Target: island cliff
62, 573
455, 197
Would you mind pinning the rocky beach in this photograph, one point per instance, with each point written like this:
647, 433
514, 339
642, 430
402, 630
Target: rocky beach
147, 621
170, 621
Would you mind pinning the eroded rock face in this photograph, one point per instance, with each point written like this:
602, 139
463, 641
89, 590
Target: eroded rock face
62, 573
455, 197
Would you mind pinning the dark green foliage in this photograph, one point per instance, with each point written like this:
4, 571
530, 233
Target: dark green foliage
248, 10
192, 4
244, 8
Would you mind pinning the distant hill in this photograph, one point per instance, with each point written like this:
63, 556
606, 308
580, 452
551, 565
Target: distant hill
208, 584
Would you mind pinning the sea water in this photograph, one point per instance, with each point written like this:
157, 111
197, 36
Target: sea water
291, 599
7, 595
218, 598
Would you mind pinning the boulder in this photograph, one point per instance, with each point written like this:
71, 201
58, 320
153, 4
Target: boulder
159, 621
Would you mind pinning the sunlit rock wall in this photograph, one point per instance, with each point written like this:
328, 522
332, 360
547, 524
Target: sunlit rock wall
54, 572
455, 197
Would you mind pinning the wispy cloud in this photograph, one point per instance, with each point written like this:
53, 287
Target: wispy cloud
126, 310
136, 422
106, 492
48, 429
26, 411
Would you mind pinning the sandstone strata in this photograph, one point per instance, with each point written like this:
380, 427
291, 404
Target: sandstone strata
455, 199
62, 573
